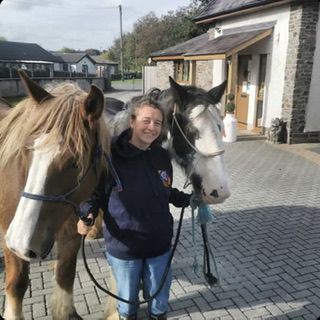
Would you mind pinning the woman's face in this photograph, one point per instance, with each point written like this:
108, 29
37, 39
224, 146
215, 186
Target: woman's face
146, 126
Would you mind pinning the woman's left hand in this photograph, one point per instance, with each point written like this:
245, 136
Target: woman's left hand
82, 227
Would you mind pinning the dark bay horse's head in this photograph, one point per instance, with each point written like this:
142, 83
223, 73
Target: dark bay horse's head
195, 136
56, 156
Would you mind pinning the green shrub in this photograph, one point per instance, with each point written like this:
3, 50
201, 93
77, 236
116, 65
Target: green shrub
230, 106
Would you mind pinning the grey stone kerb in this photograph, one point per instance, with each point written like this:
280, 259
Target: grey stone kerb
302, 40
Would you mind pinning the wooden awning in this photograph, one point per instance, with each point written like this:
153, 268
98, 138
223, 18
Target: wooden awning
223, 47
202, 48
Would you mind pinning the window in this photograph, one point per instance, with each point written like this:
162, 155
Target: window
182, 70
85, 69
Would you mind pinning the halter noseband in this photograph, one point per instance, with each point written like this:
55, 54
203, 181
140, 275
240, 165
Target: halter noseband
64, 197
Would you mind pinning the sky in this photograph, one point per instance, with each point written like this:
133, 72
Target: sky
75, 24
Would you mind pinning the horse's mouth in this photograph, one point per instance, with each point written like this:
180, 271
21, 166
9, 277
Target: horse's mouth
30, 255
214, 197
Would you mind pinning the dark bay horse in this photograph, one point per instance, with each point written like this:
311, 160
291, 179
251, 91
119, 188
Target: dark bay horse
51, 147
194, 135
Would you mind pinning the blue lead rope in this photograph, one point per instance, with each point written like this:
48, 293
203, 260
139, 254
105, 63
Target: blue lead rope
204, 216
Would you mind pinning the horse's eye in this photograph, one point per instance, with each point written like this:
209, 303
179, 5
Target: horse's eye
72, 164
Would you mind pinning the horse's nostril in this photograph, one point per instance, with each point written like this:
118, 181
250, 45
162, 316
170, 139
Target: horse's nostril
31, 254
214, 193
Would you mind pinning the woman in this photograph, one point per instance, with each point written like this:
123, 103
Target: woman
138, 223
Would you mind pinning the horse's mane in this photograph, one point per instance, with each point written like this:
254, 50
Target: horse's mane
58, 118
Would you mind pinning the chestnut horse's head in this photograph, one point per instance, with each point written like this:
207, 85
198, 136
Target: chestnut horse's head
54, 141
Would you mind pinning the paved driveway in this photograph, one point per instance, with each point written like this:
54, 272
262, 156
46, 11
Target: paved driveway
265, 238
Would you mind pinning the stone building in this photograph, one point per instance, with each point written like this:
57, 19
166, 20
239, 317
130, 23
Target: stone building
269, 50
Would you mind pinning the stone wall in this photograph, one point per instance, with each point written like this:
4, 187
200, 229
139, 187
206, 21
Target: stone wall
301, 48
14, 87
204, 74
165, 69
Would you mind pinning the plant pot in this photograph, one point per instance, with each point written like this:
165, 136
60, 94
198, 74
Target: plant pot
230, 128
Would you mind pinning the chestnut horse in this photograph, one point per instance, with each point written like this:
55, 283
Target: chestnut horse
51, 147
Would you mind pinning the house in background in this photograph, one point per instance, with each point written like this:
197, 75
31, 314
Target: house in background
75, 63
269, 50
105, 68
42, 63
27, 56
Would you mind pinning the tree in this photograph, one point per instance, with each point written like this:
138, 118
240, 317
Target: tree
200, 4
68, 50
3, 39
92, 52
151, 34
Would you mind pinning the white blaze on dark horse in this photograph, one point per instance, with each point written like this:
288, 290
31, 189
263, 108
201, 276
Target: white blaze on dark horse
48, 154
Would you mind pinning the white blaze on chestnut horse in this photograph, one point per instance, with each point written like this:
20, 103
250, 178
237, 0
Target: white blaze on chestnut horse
51, 147
48, 147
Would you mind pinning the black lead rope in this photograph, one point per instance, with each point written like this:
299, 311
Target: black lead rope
164, 276
210, 278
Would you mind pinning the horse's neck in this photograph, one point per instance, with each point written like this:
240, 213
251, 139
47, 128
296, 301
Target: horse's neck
166, 101
117, 123
4, 110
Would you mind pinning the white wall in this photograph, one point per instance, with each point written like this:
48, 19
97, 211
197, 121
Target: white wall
313, 106
88, 62
219, 76
276, 48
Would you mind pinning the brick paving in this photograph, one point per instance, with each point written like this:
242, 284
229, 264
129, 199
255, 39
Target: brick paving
265, 238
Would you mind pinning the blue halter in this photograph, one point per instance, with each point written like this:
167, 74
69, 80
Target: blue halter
64, 197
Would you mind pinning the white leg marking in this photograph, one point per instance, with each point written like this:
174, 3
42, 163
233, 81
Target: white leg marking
11, 312
62, 304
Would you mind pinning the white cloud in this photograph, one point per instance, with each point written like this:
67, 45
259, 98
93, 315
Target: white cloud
77, 24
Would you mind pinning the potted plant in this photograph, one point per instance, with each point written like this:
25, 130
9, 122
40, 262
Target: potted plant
229, 121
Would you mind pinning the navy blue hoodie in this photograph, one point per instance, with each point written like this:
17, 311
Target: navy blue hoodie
137, 219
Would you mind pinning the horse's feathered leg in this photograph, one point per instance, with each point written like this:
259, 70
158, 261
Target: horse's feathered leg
68, 244
17, 271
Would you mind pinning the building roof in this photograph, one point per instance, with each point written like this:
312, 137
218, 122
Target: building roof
100, 60
217, 8
20, 51
183, 47
72, 57
232, 40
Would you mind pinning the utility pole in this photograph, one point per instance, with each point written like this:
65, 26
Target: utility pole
121, 43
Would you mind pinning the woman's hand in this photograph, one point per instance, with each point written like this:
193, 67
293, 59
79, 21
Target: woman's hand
83, 226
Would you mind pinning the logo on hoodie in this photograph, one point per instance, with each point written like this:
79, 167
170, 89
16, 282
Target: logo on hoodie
165, 178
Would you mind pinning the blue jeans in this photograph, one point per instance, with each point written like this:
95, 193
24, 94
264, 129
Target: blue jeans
128, 275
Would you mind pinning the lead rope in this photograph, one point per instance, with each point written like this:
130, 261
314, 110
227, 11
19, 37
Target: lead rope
205, 215
164, 276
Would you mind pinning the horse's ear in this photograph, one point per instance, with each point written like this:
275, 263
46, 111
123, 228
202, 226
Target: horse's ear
178, 91
33, 89
5, 102
217, 92
92, 108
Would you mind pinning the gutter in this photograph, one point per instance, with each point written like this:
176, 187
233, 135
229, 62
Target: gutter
243, 10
